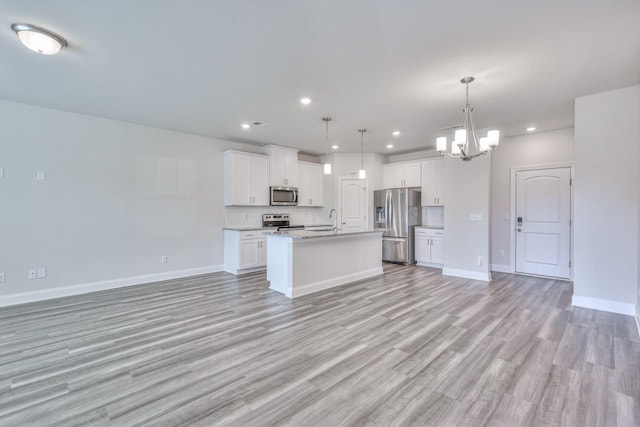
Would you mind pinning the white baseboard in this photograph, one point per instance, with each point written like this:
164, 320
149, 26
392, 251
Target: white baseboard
604, 305
44, 294
334, 281
467, 274
501, 268
428, 264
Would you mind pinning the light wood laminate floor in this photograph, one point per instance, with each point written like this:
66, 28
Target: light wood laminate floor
409, 348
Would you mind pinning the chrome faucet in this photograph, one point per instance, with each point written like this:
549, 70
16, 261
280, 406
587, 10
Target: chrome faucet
335, 220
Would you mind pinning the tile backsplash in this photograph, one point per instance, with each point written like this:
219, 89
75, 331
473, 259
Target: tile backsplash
433, 216
236, 216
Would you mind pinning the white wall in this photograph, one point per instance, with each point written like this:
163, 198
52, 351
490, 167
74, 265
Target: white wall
117, 197
542, 148
607, 140
417, 155
467, 191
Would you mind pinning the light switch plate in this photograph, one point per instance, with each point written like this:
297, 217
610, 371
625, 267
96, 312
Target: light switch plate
41, 273
475, 217
1, 277
41, 175
1, 173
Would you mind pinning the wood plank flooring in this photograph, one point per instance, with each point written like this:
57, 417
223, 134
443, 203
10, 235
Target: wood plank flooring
410, 348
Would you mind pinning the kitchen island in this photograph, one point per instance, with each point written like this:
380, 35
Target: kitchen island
300, 262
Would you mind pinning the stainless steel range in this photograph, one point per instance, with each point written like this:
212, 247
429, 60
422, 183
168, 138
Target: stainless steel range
279, 222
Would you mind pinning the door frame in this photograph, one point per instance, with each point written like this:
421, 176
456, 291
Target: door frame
512, 212
342, 178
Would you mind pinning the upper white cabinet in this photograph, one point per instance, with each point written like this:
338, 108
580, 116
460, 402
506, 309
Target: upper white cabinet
433, 182
246, 179
396, 175
310, 184
283, 170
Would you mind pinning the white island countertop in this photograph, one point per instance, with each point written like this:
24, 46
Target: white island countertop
312, 234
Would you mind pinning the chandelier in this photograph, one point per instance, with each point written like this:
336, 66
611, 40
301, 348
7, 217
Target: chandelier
466, 144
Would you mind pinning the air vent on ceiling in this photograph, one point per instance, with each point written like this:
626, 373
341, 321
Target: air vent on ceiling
256, 123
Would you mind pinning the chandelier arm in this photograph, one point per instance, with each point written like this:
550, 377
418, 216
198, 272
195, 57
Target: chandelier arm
476, 141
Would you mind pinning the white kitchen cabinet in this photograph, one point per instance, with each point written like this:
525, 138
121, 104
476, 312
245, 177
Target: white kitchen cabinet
397, 175
244, 251
429, 246
433, 182
283, 166
310, 184
246, 179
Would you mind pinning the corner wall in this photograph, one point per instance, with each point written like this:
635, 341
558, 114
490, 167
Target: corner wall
607, 164
467, 192
117, 197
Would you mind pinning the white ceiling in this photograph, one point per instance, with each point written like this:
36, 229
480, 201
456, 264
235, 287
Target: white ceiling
205, 66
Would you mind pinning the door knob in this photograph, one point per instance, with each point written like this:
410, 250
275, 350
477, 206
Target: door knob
519, 230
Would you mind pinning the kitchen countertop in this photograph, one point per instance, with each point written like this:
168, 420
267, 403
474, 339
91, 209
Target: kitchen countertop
259, 227
308, 234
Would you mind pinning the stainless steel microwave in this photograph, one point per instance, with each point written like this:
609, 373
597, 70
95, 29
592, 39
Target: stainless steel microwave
283, 196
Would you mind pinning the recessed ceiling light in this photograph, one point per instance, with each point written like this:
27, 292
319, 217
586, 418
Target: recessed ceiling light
39, 39
305, 100
389, 145
245, 125
334, 146
531, 129
396, 133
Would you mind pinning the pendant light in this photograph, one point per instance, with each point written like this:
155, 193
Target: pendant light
327, 165
361, 173
466, 145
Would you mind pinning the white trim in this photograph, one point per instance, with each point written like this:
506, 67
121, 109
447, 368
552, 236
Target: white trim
321, 285
45, 294
467, 274
501, 268
512, 209
637, 317
428, 264
604, 305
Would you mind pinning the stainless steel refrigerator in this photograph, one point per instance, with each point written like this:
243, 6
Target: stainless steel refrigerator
397, 212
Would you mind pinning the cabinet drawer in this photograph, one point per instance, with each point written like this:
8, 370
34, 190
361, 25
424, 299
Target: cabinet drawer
251, 234
430, 232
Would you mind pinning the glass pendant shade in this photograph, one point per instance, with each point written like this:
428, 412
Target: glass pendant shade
441, 144
327, 168
494, 138
362, 174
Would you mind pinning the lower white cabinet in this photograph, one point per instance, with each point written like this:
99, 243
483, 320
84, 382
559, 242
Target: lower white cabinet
429, 248
244, 251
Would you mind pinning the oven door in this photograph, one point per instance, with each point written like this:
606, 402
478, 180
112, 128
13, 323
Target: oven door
284, 196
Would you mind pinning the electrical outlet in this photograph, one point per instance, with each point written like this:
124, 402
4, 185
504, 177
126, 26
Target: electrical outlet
41, 273
1, 172
41, 175
502, 254
33, 274
163, 259
480, 260
1, 277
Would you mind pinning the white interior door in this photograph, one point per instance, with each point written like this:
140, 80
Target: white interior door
353, 203
543, 214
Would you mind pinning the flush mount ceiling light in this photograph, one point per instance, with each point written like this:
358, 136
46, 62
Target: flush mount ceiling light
396, 133
335, 147
361, 173
39, 39
389, 145
305, 100
327, 166
245, 125
531, 129
460, 147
